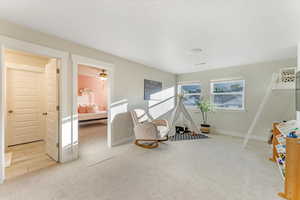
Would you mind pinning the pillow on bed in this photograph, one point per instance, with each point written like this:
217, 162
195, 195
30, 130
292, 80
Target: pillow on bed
82, 109
92, 109
102, 108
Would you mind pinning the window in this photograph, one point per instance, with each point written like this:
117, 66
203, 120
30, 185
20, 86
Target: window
228, 95
191, 93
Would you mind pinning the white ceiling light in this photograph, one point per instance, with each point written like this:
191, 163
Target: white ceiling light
195, 51
200, 64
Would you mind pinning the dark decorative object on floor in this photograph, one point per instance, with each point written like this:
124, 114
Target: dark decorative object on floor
187, 136
182, 130
186, 130
179, 129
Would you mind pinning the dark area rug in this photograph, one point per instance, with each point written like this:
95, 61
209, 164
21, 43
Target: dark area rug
186, 136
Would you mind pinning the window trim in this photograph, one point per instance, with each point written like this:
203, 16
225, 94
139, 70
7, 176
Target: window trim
212, 94
189, 94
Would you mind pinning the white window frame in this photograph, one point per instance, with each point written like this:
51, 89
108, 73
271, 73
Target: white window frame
189, 94
212, 93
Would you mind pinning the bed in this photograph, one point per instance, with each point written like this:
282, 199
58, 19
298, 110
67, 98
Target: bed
92, 117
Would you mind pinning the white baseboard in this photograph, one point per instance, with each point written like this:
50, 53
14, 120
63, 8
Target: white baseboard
241, 135
123, 141
68, 153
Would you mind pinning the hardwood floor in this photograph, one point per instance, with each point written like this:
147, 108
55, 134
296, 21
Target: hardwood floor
30, 157
27, 158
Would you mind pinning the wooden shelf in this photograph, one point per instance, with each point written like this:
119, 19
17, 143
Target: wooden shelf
281, 169
291, 170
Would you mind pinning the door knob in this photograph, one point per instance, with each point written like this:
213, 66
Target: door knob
45, 113
10, 111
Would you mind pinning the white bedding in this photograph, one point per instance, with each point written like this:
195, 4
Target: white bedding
92, 116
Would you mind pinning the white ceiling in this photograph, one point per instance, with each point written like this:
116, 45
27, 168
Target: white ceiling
161, 33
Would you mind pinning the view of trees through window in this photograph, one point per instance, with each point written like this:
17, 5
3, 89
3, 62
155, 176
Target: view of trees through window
224, 94
228, 94
191, 93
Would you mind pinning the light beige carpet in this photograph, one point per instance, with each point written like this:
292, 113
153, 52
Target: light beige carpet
210, 169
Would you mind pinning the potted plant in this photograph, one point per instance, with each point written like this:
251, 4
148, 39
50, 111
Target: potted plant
205, 106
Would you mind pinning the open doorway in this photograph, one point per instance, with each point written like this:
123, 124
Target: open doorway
32, 112
92, 102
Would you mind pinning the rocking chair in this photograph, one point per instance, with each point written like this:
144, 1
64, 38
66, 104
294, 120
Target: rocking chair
148, 132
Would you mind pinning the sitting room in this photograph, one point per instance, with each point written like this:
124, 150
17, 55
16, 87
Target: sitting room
150, 100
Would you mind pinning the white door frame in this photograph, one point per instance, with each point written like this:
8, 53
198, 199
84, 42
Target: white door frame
64, 114
76, 60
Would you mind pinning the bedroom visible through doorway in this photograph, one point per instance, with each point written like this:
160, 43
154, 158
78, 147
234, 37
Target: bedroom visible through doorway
32, 115
92, 109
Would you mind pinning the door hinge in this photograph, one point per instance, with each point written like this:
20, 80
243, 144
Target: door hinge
57, 71
57, 145
57, 108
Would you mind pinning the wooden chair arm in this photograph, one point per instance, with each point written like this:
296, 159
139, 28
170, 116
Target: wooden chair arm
161, 122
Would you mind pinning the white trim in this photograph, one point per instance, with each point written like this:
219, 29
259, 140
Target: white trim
227, 79
191, 94
226, 93
90, 73
87, 74
187, 82
212, 95
76, 60
64, 130
25, 67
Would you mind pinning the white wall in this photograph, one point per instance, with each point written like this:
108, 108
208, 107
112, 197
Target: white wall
298, 69
281, 105
298, 58
128, 86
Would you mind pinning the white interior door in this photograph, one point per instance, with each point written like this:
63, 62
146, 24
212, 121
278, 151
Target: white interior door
24, 106
52, 109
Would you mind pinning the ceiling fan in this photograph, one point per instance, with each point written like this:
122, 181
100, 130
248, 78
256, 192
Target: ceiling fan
103, 75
